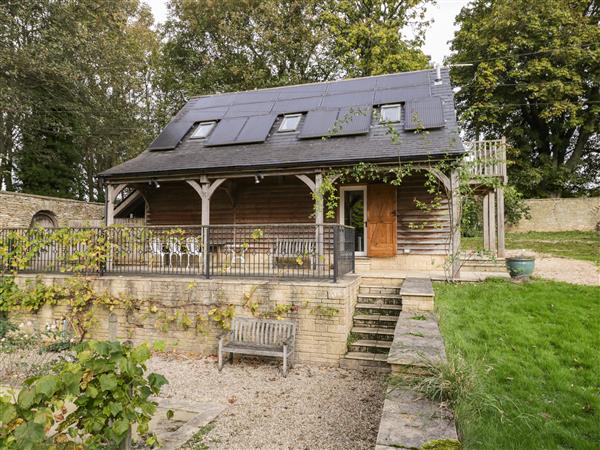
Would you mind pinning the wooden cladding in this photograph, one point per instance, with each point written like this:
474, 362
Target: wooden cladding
273, 200
422, 230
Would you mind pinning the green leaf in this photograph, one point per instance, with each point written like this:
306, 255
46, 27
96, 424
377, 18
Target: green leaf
156, 381
92, 391
108, 382
47, 385
26, 397
120, 427
29, 434
170, 414
8, 413
140, 353
115, 408
159, 346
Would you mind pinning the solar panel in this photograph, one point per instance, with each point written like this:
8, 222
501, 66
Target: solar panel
402, 80
302, 91
319, 123
356, 120
359, 84
397, 95
171, 134
256, 96
342, 100
424, 114
226, 131
250, 109
256, 129
297, 105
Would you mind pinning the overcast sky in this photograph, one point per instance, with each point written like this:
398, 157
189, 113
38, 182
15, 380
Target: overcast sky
438, 35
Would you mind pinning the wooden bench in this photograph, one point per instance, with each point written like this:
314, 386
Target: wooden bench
260, 338
292, 249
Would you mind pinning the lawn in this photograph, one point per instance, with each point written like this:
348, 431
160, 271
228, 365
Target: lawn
533, 352
584, 245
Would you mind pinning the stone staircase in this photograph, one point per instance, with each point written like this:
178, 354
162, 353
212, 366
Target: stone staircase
482, 263
376, 313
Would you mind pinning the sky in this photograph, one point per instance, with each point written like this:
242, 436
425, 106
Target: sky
438, 34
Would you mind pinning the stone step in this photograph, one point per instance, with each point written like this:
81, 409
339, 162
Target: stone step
370, 346
365, 361
373, 308
376, 334
377, 289
375, 280
392, 299
375, 321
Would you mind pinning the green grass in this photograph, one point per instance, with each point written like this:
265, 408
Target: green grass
534, 351
584, 245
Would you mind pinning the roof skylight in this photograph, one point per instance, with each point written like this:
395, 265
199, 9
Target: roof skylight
390, 113
203, 130
290, 122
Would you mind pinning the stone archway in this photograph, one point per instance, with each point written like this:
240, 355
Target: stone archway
44, 219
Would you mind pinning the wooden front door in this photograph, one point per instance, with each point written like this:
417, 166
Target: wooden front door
381, 220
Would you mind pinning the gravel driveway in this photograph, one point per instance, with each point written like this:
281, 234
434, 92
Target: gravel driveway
313, 408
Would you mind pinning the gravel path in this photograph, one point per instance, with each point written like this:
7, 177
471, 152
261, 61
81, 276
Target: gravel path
564, 269
313, 408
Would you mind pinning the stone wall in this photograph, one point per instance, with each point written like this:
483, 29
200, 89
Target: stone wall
17, 210
561, 214
320, 339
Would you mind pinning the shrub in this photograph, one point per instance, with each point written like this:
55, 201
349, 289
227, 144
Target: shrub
108, 388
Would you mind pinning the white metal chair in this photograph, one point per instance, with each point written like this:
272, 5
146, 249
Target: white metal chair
194, 248
175, 249
156, 247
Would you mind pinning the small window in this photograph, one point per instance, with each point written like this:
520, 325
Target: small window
203, 129
390, 113
290, 122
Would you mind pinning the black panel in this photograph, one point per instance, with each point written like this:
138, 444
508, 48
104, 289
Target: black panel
249, 109
319, 123
226, 131
357, 85
256, 96
297, 105
302, 91
425, 114
402, 80
211, 101
171, 134
387, 96
342, 100
256, 129
356, 120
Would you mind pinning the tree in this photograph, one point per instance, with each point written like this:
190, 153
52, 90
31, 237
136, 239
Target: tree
535, 79
74, 92
367, 35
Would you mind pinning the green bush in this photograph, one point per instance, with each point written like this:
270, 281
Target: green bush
90, 402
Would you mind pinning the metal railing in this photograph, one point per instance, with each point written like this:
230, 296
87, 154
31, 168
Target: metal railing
487, 158
298, 251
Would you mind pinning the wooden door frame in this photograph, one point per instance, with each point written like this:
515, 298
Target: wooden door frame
355, 187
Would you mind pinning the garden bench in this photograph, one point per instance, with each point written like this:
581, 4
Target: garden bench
259, 337
293, 248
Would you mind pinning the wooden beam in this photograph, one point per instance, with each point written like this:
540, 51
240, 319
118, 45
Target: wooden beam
500, 222
205, 191
455, 219
306, 180
127, 202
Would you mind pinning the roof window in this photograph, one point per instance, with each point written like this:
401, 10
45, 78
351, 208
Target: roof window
390, 113
203, 130
290, 122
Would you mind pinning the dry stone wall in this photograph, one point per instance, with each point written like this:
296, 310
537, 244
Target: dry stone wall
561, 214
160, 305
17, 210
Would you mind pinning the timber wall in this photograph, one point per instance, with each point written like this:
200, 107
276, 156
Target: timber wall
561, 214
17, 210
320, 339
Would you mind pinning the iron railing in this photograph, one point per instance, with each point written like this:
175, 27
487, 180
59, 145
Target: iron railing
299, 251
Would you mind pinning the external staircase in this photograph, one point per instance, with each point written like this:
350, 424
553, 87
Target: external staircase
376, 313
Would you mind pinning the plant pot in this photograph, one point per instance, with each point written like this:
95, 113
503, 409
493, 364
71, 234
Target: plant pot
520, 266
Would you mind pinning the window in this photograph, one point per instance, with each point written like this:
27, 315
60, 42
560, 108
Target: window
290, 122
390, 113
203, 129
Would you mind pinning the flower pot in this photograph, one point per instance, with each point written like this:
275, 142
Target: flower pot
520, 266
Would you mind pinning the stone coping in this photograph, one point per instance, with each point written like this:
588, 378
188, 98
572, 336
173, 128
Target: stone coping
417, 341
408, 421
417, 287
345, 281
47, 197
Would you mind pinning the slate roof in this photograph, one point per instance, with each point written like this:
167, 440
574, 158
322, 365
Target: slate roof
174, 152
